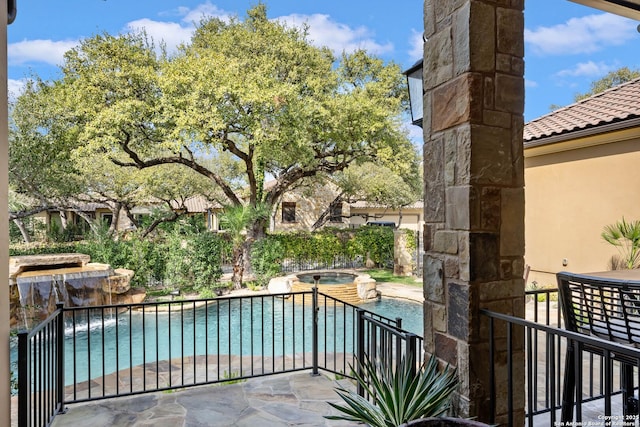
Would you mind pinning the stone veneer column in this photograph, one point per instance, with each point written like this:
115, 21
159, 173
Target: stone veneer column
474, 195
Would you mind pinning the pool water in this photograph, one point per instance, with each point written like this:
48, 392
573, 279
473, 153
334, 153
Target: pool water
226, 326
329, 278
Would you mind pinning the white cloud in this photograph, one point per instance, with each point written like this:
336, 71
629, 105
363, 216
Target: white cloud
171, 33
323, 31
581, 35
530, 83
204, 10
587, 69
44, 51
417, 45
15, 87
174, 33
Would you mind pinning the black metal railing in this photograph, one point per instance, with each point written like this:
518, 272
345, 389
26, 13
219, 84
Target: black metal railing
40, 376
545, 350
290, 265
385, 344
108, 351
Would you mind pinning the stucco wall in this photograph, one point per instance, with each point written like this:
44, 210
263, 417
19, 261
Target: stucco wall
411, 218
570, 197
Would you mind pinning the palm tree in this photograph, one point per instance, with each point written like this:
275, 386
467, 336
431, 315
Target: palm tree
235, 220
625, 236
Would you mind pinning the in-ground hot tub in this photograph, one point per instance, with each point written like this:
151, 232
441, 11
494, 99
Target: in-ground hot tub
349, 287
327, 278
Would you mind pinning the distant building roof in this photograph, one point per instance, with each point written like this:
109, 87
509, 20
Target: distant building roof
615, 105
368, 205
196, 204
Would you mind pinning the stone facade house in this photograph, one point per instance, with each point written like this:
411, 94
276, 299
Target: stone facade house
315, 206
581, 174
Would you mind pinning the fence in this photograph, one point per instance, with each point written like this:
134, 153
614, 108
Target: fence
545, 344
40, 371
92, 353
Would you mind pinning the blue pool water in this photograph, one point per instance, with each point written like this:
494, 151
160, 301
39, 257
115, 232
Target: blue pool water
327, 278
109, 342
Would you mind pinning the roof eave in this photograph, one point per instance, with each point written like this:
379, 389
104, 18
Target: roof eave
582, 133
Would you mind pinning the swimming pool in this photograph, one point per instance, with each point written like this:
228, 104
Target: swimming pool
103, 342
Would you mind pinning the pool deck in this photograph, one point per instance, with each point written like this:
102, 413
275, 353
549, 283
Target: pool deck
294, 399
289, 399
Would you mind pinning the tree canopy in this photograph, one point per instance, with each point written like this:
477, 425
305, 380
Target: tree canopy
243, 101
610, 80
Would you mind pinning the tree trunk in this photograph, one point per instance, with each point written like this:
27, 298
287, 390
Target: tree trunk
115, 211
63, 220
255, 232
23, 230
238, 267
91, 221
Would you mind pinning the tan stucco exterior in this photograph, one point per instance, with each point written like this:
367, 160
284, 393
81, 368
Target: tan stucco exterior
412, 217
573, 189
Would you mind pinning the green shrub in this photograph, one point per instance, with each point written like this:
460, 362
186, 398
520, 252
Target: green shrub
40, 248
193, 260
401, 395
374, 242
266, 259
205, 254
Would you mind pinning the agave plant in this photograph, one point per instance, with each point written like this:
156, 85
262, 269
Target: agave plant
625, 236
400, 395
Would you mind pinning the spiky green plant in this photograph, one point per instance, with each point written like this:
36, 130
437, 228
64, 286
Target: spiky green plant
401, 395
625, 236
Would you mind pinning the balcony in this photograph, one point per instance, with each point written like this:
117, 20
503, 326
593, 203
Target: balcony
269, 363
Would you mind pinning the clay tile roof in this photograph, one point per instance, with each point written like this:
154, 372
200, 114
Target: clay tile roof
613, 105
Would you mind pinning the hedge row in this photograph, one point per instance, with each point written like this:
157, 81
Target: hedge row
190, 258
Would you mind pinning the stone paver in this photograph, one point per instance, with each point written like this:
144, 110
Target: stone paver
397, 290
294, 399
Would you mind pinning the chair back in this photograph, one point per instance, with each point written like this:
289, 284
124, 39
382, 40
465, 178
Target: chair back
603, 307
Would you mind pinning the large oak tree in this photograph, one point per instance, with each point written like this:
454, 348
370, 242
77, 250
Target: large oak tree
244, 100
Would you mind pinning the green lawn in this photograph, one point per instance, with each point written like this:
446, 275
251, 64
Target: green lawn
382, 275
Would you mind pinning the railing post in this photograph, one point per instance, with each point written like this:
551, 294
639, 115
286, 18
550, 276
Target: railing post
60, 358
412, 353
399, 322
314, 299
360, 351
23, 378
492, 378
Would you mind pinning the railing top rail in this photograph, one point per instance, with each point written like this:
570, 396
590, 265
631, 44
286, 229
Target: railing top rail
31, 332
575, 336
184, 301
391, 328
541, 291
227, 298
355, 307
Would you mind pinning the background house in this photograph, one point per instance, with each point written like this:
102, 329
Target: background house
582, 172
316, 205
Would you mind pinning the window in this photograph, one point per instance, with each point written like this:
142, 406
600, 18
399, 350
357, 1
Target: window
288, 212
106, 218
335, 212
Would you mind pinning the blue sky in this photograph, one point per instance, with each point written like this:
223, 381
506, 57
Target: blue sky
566, 45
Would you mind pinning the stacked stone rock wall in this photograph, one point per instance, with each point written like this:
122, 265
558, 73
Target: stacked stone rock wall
474, 195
